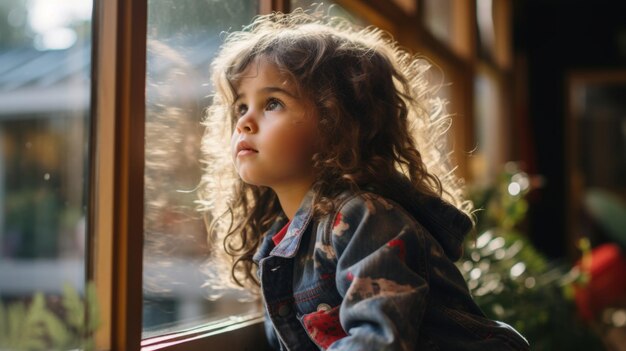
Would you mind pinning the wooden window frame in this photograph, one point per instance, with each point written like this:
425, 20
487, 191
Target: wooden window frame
116, 194
573, 183
461, 62
115, 218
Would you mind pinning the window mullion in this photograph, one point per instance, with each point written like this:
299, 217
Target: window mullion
100, 225
117, 194
129, 175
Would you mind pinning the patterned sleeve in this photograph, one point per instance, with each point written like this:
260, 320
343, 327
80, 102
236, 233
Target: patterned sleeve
381, 275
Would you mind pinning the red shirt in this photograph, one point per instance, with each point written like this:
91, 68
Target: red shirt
280, 235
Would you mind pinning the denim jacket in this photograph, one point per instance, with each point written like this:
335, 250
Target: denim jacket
372, 276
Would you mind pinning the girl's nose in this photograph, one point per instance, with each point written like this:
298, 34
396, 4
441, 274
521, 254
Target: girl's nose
246, 124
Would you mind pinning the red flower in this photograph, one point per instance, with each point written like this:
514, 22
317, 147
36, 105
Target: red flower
607, 281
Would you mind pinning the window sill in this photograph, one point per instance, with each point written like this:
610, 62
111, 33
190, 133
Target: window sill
234, 333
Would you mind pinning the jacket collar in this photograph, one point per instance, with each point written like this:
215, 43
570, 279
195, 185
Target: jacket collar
291, 241
443, 220
299, 223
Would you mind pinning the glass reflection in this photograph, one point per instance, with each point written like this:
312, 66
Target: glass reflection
179, 291
45, 60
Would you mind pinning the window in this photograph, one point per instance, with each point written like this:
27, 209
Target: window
180, 283
45, 123
595, 130
493, 31
486, 31
152, 86
471, 41
438, 19
450, 22
488, 127
335, 9
492, 111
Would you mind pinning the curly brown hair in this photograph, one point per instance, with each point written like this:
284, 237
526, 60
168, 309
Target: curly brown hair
380, 124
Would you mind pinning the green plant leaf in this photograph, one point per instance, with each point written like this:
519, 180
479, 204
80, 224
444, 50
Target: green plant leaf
4, 335
56, 331
35, 327
16, 317
74, 308
93, 308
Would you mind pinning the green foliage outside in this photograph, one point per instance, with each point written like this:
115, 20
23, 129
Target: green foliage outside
34, 326
511, 281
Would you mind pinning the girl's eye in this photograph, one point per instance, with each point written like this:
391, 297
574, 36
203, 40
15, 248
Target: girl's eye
241, 110
274, 104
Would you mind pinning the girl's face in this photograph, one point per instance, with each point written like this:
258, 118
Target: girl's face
274, 137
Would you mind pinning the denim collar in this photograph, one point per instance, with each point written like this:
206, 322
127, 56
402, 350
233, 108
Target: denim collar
444, 221
289, 245
291, 241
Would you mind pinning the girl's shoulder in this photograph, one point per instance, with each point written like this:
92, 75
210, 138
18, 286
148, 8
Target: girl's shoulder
366, 200
443, 221
362, 205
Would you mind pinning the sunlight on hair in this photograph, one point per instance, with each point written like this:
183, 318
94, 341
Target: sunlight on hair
426, 117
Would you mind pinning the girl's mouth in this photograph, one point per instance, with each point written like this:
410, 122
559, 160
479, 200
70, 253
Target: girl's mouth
244, 148
245, 152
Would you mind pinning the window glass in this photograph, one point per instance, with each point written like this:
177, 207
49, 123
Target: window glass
446, 102
486, 30
600, 117
183, 37
596, 130
438, 19
488, 154
45, 63
332, 8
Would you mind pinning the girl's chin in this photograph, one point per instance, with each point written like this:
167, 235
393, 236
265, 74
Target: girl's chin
250, 180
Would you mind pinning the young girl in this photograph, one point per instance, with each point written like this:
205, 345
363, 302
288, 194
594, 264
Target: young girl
338, 210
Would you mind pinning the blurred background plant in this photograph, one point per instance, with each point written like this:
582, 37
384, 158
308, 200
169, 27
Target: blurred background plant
63, 322
513, 282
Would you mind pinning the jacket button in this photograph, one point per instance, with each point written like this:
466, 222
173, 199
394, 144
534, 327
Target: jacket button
284, 310
323, 307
